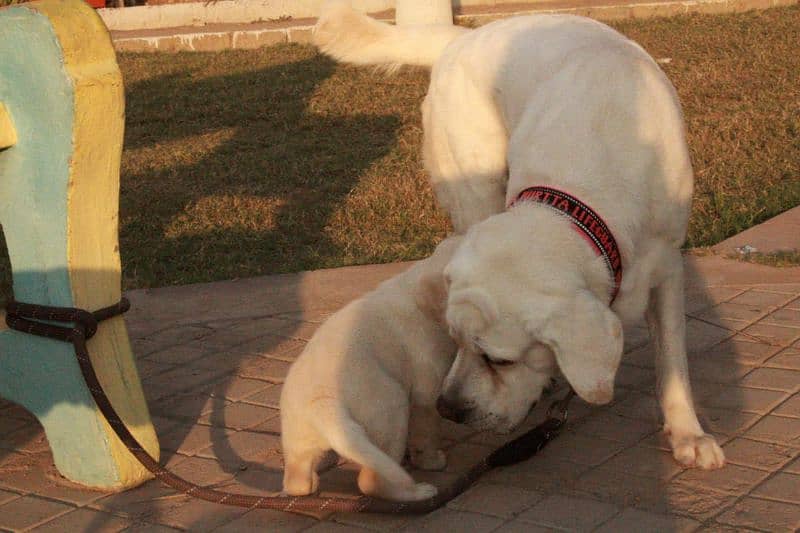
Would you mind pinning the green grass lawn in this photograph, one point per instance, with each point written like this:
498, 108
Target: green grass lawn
242, 163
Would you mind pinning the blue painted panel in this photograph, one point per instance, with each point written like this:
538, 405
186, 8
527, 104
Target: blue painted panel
33, 174
42, 374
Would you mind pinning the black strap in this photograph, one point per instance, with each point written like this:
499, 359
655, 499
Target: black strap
33, 318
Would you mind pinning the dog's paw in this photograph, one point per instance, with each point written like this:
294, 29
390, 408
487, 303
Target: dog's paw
698, 451
299, 479
429, 459
301, 487
423, 491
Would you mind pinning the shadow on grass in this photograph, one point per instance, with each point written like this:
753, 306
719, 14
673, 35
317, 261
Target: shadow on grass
254, 179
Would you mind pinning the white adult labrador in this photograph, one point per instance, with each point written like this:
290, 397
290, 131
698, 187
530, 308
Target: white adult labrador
565, 102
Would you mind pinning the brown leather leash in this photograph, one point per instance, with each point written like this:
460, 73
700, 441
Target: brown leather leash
38, 320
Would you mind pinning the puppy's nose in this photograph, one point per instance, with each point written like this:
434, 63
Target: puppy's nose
449, 412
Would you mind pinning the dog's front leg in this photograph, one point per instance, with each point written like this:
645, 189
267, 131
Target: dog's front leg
424, 445
691, 446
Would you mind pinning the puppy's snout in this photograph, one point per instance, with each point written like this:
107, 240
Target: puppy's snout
448, 411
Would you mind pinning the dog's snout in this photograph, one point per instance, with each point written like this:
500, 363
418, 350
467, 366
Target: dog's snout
448, 411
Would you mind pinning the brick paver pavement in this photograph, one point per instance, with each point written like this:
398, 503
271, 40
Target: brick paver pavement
213, 357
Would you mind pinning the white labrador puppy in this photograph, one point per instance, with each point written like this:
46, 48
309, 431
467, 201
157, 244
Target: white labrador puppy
563, 102
367, 384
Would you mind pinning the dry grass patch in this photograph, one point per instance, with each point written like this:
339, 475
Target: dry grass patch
738, 77
242, 163
785, 258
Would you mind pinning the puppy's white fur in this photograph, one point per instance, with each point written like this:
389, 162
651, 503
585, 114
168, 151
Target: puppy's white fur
367, 381
570, 103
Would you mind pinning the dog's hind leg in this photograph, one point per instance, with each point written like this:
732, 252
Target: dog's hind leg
300, 471
381, 474
385, 483
464, 156
691, 446
304, 449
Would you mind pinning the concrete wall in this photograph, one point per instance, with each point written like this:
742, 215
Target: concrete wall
237, 11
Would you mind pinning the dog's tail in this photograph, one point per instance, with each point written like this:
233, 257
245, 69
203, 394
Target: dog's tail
352, 37
349, 439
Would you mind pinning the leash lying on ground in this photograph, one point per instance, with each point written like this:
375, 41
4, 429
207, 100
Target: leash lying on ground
37, 320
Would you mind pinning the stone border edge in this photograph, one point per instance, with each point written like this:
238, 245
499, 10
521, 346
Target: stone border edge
209, 40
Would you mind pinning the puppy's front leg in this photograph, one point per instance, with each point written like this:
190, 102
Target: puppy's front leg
691, 446
424, 445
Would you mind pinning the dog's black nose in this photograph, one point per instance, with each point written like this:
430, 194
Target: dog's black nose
449, 412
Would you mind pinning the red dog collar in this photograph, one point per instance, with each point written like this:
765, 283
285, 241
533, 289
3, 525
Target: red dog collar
587, 222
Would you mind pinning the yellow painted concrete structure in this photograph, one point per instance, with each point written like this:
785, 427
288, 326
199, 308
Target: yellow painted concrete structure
61, 133
8, 135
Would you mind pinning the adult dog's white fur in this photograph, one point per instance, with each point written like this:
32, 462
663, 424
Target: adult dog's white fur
368, 381
567, 102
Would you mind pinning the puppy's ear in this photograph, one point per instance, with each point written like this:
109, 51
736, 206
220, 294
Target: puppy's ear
430, 292
431, 296
471, 310
586, 338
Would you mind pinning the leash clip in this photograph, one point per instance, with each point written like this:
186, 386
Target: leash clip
559, 409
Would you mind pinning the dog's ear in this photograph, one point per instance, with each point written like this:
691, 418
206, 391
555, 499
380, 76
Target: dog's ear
430, 294
586, 338
471, 310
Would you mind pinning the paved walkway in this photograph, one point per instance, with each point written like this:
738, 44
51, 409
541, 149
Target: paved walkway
213, 37
212, 358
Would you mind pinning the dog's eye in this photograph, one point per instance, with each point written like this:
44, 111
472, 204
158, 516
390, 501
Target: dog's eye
496, 362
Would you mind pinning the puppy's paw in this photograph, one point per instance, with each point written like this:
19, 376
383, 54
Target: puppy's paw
299, 481
301, 487
697, 451
423, 491
429, 459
